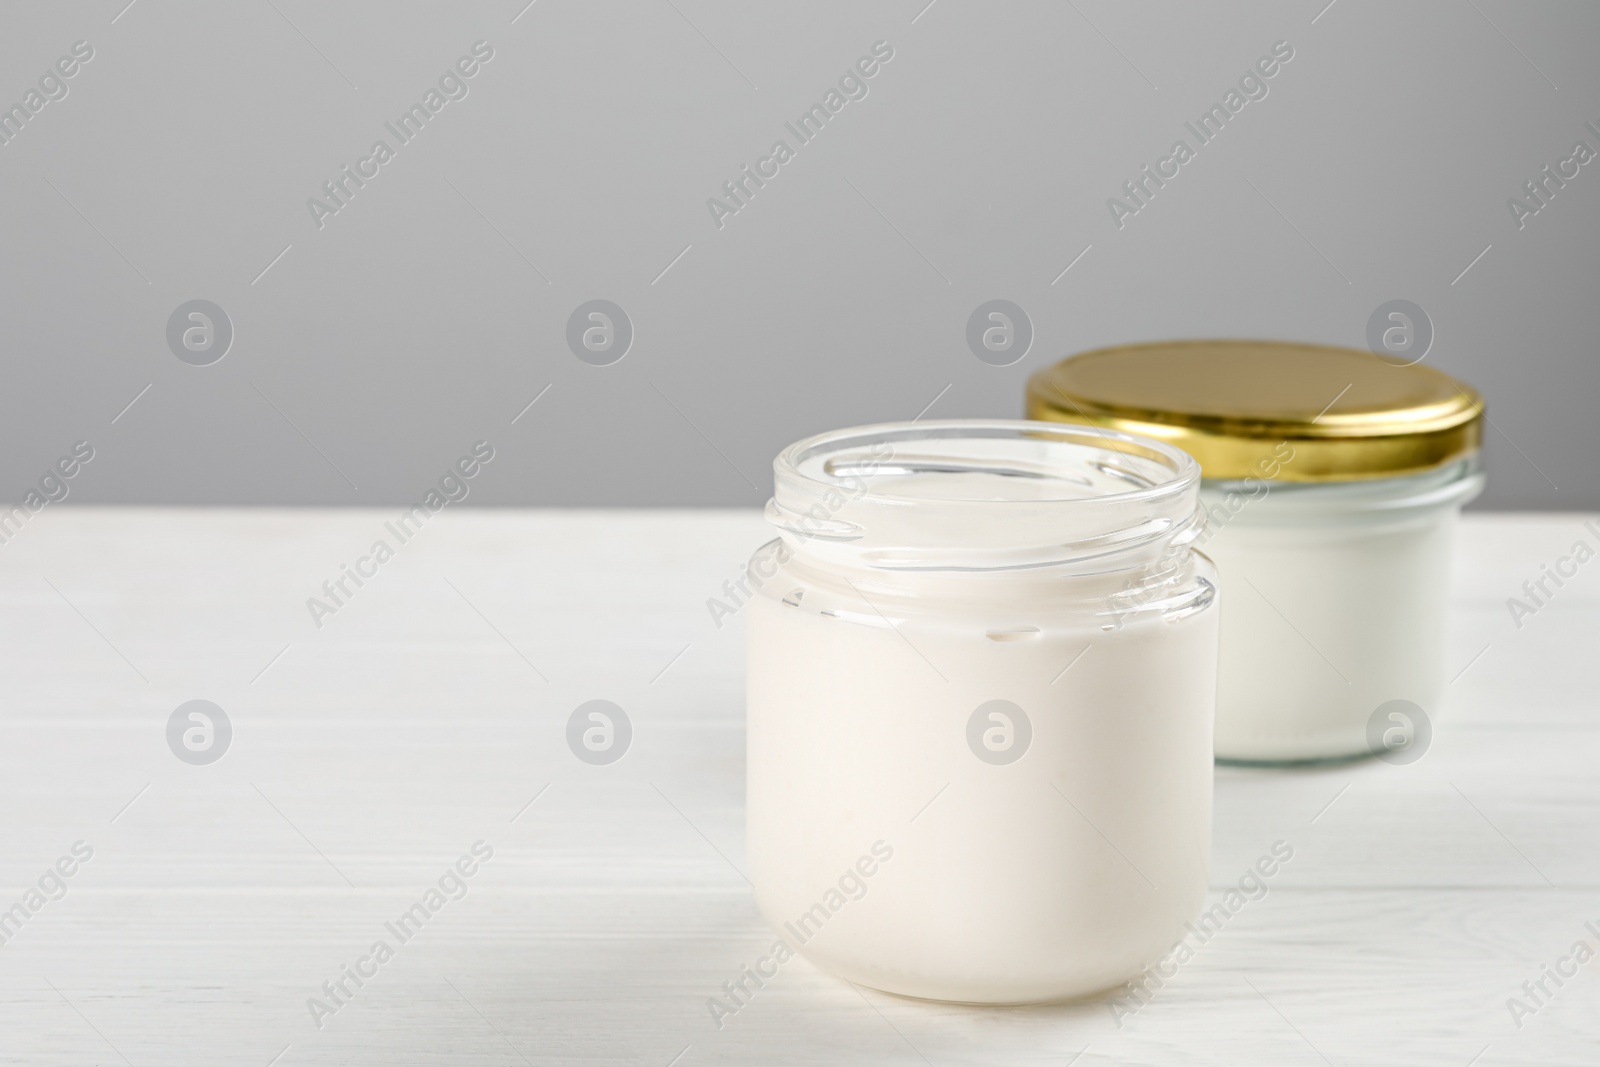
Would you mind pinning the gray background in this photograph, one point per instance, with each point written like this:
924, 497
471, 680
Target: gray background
377, 349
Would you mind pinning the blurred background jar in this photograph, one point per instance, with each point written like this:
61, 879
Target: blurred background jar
1333, 481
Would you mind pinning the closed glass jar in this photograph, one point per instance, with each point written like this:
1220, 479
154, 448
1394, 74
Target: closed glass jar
980, 691
1333, 482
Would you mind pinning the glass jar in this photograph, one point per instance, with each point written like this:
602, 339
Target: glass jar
1333, 481
981, 680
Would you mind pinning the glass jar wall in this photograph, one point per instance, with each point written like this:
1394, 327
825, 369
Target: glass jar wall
981, 683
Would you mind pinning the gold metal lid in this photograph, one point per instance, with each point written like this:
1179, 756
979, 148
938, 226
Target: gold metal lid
1233, 405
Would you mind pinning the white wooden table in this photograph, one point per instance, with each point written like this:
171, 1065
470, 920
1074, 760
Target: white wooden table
430, 709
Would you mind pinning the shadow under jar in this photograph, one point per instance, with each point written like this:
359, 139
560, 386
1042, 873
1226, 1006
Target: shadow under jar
982, 670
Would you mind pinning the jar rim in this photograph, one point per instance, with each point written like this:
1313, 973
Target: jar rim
983, 495
1184, 469
1451, 485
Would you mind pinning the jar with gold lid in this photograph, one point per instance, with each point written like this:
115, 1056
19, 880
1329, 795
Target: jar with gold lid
1332, 481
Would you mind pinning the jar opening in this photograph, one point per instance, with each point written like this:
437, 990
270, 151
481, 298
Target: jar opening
982, 495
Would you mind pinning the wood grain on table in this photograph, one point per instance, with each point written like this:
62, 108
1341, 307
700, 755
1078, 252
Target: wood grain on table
429, 713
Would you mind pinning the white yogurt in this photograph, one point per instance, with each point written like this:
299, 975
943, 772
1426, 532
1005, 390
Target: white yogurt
1045, 846
1336, 606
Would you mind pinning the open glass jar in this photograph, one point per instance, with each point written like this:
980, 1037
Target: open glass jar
981, 680
1333, 482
